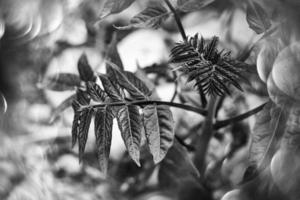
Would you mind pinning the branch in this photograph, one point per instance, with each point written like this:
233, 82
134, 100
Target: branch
223, 123
177, 105
177, 19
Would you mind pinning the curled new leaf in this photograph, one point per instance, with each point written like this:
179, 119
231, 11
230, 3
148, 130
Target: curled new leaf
130, 124
192, 5
257, 18
159, 128
151, 17
136, 88
61, 82
103, 132
267, 132
114, 6
85, 71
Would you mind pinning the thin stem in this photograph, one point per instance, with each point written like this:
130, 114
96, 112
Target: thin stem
177, 105
177, 19
223, 123
176, 87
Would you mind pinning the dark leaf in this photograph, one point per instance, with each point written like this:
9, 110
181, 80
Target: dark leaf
113, 92
61, 82
151, 17
130, 124
192, 5
84, 122
95, 92
114, 6
103, 132
85, 71
267, 132
257, 18
136, 88
177, 166
62, 107
113, 54
159, 128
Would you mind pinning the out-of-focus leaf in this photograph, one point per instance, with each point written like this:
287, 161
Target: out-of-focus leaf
192, 5
113, 54
151, 17
61, 82
268, 129
257, 18
130, 124
176, 166
62, 107
159, 128
2, 28
95, 92
136, 88
85, 71
103, 132
114, 6
3, 104
110, 89
84, 122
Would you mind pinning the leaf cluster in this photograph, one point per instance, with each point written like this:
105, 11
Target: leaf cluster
213, 71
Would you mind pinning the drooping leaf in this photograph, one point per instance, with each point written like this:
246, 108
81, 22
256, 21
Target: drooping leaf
61, 82
62, 107
266, 134
112, 53
114, 6
151, 17
159, 128
81, 99
176, 167
257, 18
103, 132
84, 121
113, 92
136, 88
85, 71
95, 92
130, 124
192, 5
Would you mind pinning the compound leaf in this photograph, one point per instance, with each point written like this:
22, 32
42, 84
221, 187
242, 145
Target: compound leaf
257, 18
103, 132
192, 5
159, 128
130, 124
151, 17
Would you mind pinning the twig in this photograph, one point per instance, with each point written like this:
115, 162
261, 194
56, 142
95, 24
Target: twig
172, 104
223, 123
177, 19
